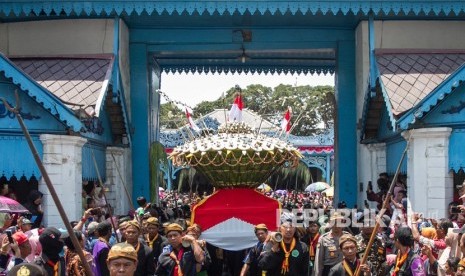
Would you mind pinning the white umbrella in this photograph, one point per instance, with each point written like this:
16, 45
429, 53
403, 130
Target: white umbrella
264, 187
329, 192
317, 186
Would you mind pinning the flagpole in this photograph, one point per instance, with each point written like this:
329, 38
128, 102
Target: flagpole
224, 110
237, 105
205, 125
288, 110
260, 126
191, 122
189, 133
296, 121
295, 124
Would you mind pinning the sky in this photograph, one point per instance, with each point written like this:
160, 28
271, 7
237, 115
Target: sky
192, 89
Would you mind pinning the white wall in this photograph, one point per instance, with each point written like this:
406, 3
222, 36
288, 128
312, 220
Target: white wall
419, 34
430, 184
57, 37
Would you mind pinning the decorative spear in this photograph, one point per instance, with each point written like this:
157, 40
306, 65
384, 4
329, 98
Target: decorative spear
48, 182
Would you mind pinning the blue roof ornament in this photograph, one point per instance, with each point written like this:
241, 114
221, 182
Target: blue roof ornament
108, 7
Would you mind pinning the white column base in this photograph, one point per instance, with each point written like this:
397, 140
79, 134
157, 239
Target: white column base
62, 158
429, 183
372, 163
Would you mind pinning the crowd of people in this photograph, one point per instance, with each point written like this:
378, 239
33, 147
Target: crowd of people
157, 239
391, 243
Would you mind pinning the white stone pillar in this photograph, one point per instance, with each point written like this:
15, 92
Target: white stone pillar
373, 165
117, 196
62, 158
377, 160
429, 183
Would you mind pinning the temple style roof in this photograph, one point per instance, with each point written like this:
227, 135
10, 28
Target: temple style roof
409, 77
408, 81
78, 82
40, 94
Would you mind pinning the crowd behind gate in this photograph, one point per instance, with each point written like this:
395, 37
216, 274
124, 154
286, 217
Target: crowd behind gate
159, 240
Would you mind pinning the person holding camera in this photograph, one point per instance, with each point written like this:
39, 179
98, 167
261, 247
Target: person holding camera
20, 247
195, 231
285, 254
251, 260
182, 254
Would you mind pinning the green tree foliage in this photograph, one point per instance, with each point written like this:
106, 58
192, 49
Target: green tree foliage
157, 156
171, 116
314, 105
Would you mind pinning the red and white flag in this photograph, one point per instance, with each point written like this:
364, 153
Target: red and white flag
235, 114
191, 122
228, 217
286, 122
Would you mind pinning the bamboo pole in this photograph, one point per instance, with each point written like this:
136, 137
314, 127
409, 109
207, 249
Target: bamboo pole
48, 182
385, 204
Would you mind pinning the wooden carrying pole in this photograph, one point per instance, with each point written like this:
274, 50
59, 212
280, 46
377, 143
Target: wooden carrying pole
385, 204
61, 211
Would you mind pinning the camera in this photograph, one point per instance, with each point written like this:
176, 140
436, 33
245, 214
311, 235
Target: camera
186, 243
277, 237
95, 211
10, 236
